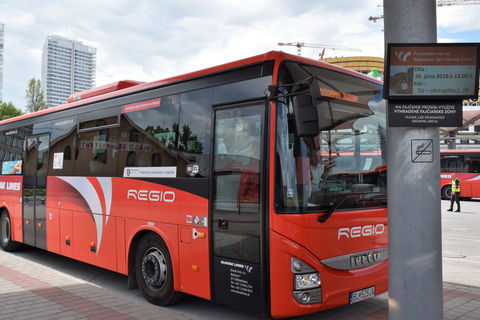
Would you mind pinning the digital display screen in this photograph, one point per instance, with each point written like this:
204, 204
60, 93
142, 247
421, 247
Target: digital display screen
432, 71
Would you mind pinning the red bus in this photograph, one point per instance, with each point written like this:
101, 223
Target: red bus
201, 184
466, 164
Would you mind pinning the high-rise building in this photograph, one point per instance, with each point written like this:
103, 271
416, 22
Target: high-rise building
68, 66
2, 34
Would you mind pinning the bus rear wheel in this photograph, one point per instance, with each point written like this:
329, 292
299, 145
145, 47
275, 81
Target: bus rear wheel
154, 272
6, 233
447, 192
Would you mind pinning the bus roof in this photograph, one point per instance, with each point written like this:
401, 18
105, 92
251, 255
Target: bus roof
124, 87
115, 86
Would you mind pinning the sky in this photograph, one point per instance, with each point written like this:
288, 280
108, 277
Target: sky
149, 40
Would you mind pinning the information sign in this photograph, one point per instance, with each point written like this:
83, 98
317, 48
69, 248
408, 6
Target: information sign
435, 113
432, 71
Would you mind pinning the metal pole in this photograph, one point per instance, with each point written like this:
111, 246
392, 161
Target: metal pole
452, 143
414, 216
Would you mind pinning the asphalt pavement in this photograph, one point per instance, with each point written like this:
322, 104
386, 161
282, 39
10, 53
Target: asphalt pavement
35, 284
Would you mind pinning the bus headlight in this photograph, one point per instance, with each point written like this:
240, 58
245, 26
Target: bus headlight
306, 284
307, 281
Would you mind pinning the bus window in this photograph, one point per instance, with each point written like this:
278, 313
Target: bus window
195, 131
237, 181
452, 163
241, 90
97, 143
63, 146
472, 164
344, 163
149, 135
459, 163
11, 144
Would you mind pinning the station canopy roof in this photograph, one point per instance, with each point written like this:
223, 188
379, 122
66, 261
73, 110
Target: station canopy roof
471, 117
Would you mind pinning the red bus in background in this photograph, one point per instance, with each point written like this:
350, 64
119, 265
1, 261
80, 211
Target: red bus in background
202, 184
466, 164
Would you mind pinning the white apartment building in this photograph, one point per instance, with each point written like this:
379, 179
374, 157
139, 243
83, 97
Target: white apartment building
68, 66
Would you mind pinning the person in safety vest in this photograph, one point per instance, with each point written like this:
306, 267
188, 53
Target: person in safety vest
455, 193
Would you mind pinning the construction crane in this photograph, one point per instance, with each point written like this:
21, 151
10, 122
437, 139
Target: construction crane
440, 3
299, 46
445, 3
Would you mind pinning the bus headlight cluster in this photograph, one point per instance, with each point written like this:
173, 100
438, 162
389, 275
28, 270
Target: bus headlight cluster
306, 284
307, 281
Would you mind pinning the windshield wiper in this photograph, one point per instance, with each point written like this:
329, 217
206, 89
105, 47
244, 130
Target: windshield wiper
332, 209
337, 204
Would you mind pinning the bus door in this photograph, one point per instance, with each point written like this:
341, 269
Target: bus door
237, 207
35, 191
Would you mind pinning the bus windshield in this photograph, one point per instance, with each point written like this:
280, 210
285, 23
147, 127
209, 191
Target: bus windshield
344, 166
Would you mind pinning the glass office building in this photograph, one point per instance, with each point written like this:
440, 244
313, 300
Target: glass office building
68, 66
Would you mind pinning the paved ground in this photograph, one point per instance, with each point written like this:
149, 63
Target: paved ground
38, 285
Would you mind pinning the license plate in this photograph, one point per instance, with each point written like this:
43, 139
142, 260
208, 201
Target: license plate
363, 294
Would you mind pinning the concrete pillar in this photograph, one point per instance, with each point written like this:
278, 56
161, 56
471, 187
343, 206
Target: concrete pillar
414, 216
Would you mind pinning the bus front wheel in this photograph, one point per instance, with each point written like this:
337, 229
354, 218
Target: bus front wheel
6, 233
447, 192
154, 272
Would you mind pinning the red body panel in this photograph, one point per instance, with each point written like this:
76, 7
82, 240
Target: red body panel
53, 230
469, 183
306, 239
469, 179
336, 284
100, 217
11, 198
328, 239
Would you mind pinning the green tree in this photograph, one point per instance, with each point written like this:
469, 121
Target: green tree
35, 96
8, 110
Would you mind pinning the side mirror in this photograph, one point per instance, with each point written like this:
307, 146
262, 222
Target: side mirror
304, 94
305, 109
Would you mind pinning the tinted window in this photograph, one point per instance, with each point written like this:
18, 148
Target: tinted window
242, 90
195, 131
236, 182
64, 149
98, 149
461, 163
149, 135
11, 150
344, 164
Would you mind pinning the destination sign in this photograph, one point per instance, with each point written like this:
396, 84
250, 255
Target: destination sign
432, 71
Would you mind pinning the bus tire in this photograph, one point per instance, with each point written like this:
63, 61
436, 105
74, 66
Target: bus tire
447, 192
6, 233
154, 271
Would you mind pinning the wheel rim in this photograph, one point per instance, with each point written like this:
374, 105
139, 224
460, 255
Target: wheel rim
5, 230
154, 268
